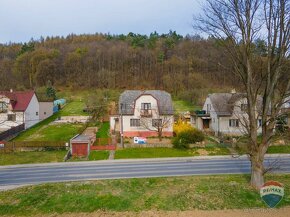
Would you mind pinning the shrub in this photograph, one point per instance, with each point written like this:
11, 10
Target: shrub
186, 137
181, 126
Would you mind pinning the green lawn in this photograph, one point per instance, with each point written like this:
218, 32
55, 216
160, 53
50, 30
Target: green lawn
103, 130
59, 132
99, 155
130, 153
73, 108
168, 194
31, 157
184, 106
94, 155
279, 149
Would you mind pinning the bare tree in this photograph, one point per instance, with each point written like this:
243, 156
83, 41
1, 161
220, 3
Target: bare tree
157, 124
96, 106
237, 24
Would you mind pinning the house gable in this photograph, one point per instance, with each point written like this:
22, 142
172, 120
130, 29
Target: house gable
149, 99
128, 98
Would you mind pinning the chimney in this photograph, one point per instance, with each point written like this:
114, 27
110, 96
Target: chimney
11, 90
233, 91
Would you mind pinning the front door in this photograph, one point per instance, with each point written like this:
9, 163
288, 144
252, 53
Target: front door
205, 123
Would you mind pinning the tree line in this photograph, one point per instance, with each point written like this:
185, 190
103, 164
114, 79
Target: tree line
181, 65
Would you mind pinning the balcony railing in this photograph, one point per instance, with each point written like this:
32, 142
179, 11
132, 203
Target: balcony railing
146, 113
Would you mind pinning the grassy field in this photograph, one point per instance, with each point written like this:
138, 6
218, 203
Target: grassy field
31, 157
130, 153
103, 130
184, 106
169, 194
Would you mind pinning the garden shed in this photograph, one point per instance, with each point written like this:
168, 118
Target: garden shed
80, 145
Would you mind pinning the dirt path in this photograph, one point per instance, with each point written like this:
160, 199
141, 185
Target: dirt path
283, 212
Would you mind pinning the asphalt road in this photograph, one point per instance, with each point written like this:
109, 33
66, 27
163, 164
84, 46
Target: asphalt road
15, 176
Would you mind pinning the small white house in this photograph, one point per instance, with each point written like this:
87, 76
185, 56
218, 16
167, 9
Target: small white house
142, 112
19, 107
225, 114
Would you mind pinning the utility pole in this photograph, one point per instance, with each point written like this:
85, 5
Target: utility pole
122, 134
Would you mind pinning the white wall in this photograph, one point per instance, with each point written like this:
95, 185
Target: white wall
221, 124
4, 123
31, 114
45, 110
155, 115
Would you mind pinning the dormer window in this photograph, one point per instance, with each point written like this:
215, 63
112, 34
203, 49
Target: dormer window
244, 107
145, 106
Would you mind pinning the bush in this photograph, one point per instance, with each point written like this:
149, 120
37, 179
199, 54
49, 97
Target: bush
181, 126
184, 138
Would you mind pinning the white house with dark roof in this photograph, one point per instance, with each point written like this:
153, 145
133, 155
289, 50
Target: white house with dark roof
225, 114
16, 108
140, 113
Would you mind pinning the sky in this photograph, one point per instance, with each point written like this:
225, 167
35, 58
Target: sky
21, 20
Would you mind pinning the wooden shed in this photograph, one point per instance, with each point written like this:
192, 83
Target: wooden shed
80, 145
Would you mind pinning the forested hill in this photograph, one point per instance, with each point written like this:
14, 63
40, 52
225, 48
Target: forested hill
181, 65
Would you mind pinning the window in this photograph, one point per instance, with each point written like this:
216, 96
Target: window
134, 122
259, 122
244, 107
3, 107
44, 113
234, 123
208, 108
156, 122
145, 106
11, 117
36, 113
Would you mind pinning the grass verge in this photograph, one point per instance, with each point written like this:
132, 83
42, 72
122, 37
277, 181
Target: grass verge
31, 157
130, 153
99, 155
168, 194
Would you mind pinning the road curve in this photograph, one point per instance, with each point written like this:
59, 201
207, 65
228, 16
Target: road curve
15, 176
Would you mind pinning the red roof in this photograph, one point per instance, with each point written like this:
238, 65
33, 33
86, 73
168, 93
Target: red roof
19, 99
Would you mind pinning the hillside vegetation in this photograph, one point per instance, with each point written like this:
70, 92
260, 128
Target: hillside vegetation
189, 67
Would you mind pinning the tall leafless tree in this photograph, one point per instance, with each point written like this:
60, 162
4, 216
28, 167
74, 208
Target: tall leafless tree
237, 24
157, 124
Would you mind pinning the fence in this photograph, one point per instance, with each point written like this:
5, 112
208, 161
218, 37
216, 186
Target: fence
147, 145
32, 146
103, 144
103, 147
102, 141
11, 132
